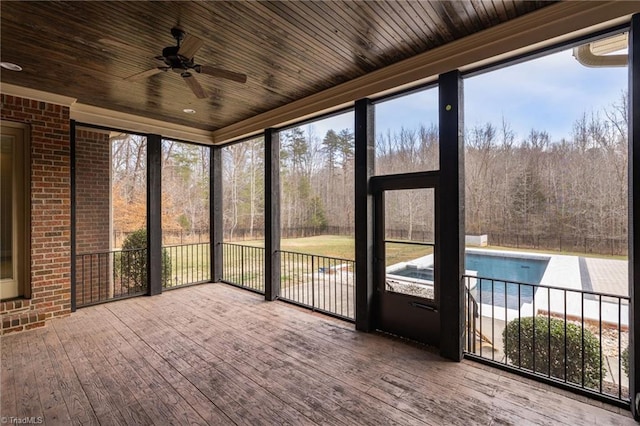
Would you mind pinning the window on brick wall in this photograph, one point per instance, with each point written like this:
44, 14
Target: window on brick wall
14, 209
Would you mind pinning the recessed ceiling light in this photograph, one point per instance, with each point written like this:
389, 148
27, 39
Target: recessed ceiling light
10, 66
189, 111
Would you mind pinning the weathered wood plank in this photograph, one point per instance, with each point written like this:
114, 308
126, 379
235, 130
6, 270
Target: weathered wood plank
77, 403
54, 408
26, 385
8, 404
231, 358
89, 375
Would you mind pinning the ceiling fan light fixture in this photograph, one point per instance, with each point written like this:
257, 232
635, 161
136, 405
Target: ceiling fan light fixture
189, 111
10, 66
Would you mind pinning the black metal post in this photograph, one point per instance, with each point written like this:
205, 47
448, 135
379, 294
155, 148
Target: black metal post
271, 214
72, 154
364, 157
450, 235
154, 214
215, 213
634, 211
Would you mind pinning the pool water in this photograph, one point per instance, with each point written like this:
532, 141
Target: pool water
413, 272
499, 275
506, 268
501, 291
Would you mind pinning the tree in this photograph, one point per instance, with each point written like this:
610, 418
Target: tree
331, 147
528, 197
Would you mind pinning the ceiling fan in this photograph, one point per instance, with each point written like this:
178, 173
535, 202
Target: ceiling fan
179, 59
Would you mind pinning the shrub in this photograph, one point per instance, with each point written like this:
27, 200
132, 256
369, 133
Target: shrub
550, 333
624, 357
132, 262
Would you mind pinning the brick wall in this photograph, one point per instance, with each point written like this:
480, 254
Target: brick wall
93, 206
50, 214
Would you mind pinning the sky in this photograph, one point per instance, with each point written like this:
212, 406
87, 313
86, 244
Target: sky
548, 93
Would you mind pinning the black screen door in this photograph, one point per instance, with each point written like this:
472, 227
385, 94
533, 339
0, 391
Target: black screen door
406, 256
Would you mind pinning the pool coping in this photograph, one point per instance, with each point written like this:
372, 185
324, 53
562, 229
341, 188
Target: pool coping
562, 271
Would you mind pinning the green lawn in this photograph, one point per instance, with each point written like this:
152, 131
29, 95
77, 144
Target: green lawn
343, 247
322, 245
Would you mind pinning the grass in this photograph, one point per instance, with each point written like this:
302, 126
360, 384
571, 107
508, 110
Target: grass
322, 245
331, 246
344, 247
189, 263
398, 252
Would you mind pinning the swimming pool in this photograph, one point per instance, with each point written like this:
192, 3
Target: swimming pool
522, 269
497, 274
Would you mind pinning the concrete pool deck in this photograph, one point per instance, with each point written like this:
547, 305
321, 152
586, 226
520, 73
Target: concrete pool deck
571, 273
608, 275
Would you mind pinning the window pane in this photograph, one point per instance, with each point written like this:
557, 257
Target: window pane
6, 207
407, 133
546, 206
185, 213
409, 218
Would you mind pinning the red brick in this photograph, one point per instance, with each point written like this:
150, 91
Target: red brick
50, 197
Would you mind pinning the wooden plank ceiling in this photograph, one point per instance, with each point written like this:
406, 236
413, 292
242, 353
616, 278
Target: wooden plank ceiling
288, 50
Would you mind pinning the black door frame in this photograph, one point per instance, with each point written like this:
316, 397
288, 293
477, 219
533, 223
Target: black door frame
405, 315
450, 208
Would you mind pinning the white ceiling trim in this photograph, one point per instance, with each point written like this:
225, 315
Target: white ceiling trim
36, 95
88, 114
526, 33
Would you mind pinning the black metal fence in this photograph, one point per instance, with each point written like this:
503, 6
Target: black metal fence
574, 338
322, 283
558, 242
169, 237
243, 266
110, 275
116, 274
185, 264
243, 234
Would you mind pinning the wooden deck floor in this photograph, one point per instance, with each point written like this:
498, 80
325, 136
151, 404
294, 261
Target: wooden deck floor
214, 354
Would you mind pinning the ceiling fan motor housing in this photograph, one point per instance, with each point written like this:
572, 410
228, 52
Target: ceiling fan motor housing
177, 63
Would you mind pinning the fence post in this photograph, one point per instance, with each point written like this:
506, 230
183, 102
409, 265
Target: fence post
450, 210
215, 214
272, 213
364, 156
634, 213
154, 218
560, 238
313, 285
242, 265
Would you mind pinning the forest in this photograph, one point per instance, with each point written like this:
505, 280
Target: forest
528, 188
185, 189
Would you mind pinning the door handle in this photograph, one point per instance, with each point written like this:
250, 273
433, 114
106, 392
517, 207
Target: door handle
423, 306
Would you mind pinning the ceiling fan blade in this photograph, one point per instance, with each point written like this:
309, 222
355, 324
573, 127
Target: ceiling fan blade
217, 72
193, 84
144, 74
190, 46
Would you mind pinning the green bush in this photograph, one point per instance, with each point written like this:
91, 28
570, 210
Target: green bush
550, 333
625, 360
132, 262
